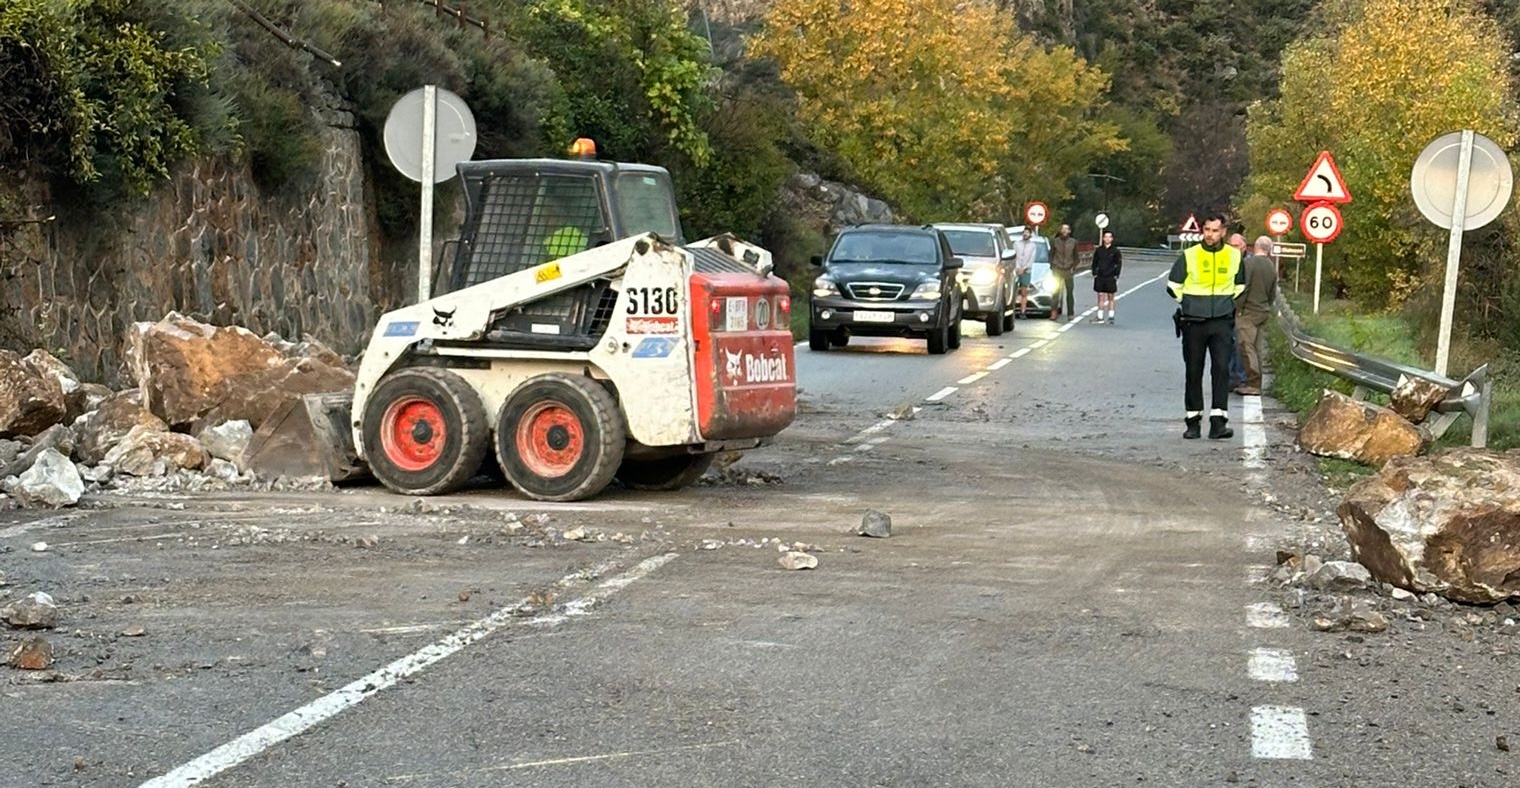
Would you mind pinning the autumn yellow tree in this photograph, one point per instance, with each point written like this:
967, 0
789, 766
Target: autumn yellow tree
934, 103
1389, 77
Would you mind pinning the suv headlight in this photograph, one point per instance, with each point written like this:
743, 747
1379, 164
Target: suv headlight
1052, 283
824, 286
929, 290
983, 276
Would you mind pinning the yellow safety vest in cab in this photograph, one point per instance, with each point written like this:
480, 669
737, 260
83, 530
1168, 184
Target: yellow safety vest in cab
1207, 283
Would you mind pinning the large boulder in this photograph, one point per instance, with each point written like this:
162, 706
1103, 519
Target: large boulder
84, 399
30, 401
149, 452
98, 431
194, 374
1415, 398
227, 441
1350, 429
1448, 524
56, 437
52, 481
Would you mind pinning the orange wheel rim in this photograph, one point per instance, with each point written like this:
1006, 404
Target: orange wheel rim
550, 439
413, 434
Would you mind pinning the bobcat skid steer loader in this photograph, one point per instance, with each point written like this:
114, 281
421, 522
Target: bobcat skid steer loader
571, 335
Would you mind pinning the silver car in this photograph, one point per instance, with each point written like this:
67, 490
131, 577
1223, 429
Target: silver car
987, 281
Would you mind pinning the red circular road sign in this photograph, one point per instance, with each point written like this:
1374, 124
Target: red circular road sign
1321, 222
1036, 213
1279, 221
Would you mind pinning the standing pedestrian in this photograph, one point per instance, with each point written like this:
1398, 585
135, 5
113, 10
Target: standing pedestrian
1206, 279
1237, 368
1024, 252
1106, 264
1063, 262
1255, 309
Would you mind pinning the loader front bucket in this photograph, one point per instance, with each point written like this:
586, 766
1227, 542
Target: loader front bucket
310, 436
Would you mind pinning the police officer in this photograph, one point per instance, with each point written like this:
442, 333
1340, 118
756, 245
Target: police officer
1206, 280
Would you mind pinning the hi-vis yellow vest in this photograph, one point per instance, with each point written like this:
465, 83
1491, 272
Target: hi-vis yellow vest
1212, 281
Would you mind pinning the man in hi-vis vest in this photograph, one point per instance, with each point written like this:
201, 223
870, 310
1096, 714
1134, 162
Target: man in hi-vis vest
1206, 280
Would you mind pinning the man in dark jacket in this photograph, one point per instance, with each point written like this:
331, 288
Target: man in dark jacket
1063, 263
1206, 280
1106, 264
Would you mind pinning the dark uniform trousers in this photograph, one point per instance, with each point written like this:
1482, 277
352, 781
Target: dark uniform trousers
1212, 337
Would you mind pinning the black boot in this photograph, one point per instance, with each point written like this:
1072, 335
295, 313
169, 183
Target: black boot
1192, 428
1218, 429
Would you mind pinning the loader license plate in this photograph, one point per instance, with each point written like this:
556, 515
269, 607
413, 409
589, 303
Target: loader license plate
866, 316
736, 314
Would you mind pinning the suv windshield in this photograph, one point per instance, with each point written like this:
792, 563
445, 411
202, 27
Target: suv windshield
915, 248
973, 243
646, 205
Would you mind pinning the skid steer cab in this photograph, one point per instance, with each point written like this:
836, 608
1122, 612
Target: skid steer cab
573, 338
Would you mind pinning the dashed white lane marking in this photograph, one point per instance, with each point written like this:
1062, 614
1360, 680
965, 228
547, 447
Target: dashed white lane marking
999, 364
433, 778
1280, 732
941, 394
1037, 344
873, 443
872, 430
1272, 664
299, 721
972, 378
1142, 285
1265, 615
1020, 353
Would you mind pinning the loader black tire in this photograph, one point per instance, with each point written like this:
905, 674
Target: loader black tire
425, 431
560, 437
666, 473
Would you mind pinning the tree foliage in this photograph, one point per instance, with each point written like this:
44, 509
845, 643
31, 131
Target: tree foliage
1404, 74
939, 105
99, 86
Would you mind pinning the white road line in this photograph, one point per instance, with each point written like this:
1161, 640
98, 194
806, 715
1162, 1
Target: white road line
1020, 353
999, 364
1265, 615
1280, 732
873, 429
941, 394
433, 777
1140, 286
299, 721
1037, 344
972, 378
1272, 664
873, 443
1254, 433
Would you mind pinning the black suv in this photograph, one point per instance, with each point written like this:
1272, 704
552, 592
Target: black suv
887, 280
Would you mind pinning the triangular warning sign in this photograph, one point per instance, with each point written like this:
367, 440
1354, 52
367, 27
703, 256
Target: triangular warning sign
1323, 183
1191, 225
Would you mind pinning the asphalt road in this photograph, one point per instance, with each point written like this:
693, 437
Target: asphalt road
1071, 597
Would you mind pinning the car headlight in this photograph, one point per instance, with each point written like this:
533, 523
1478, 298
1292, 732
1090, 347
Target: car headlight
1052, 283
983, 276
824, 286
928, 290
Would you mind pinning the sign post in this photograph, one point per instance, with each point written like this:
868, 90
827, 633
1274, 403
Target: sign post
1321, 221
427, 132
1470, 173
1279, 222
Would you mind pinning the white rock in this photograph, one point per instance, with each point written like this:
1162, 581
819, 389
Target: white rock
222, 469
227, 441
798, 561
52, 481
39, 547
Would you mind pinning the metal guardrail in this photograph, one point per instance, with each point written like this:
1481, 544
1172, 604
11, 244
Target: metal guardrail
1471, 395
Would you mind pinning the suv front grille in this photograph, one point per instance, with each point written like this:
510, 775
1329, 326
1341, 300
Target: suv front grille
874, 291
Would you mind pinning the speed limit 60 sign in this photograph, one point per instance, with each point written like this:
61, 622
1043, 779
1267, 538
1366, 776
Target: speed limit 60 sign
1321, 222
1036, 213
